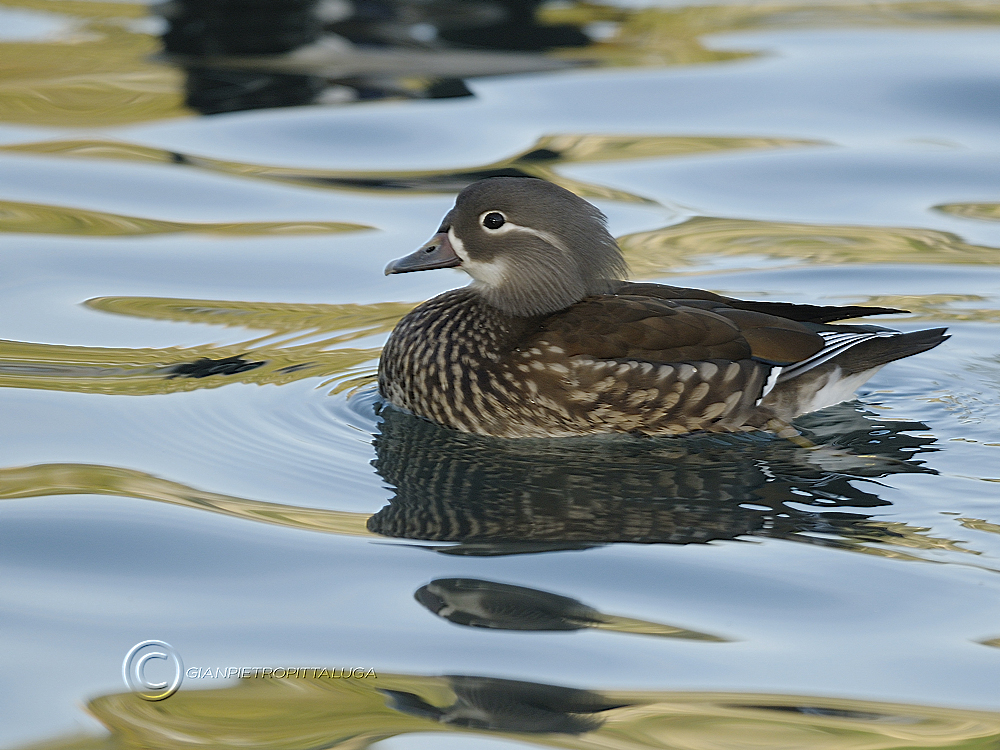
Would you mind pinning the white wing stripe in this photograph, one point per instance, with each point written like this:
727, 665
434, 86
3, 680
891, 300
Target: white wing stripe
772, 380
836, 342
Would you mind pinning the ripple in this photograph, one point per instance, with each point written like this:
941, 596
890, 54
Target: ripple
35, 218
983, 211
701, 239
305, 342
296, 710
539, 160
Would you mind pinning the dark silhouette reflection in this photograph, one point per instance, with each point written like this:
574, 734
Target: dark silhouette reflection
510, 706
212, 91
205, 367
479, 24
488, 604
239, 27
496, 496
214, 29
524, 165
485, 604
444, 182
253, 54
514, 27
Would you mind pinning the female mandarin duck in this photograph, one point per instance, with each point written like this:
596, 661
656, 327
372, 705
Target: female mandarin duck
548, 341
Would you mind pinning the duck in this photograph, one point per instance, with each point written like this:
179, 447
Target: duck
551, 340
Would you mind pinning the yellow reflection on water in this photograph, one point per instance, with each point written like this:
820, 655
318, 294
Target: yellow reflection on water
703, 238
43, 480
336, 712
539, 160
37, 218
984, 211
353, 321
941, 308
99, 74
305, 341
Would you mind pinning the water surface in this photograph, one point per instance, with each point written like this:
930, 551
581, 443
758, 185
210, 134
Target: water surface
193, 451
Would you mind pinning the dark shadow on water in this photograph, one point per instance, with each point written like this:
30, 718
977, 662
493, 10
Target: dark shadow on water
510, 706
497, 497
473, 602
500, 606
253, 54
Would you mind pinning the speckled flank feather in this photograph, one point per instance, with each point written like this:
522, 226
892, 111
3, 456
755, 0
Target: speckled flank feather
458, 362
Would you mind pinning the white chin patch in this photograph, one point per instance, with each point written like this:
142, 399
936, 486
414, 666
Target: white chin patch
491, 274
457, 245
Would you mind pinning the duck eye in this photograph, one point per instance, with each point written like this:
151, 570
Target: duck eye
493, 220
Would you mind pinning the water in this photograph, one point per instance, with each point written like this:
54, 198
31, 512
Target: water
264, 512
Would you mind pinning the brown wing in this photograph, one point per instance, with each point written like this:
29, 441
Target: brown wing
787, 310
773, 339
659, 330
643, 328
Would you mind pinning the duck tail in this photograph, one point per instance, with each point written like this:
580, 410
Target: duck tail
856, 349
881, 351
851, 356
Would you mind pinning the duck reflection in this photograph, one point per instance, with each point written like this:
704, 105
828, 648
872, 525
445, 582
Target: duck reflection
488, 604
510, 706
496, 497
253, 54
510, 25
201, 35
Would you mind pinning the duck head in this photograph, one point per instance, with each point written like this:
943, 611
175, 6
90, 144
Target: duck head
531, 247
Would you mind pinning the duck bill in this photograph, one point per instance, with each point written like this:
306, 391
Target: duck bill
437, 253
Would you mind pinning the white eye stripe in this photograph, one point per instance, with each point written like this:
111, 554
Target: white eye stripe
546, 237
510, 226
